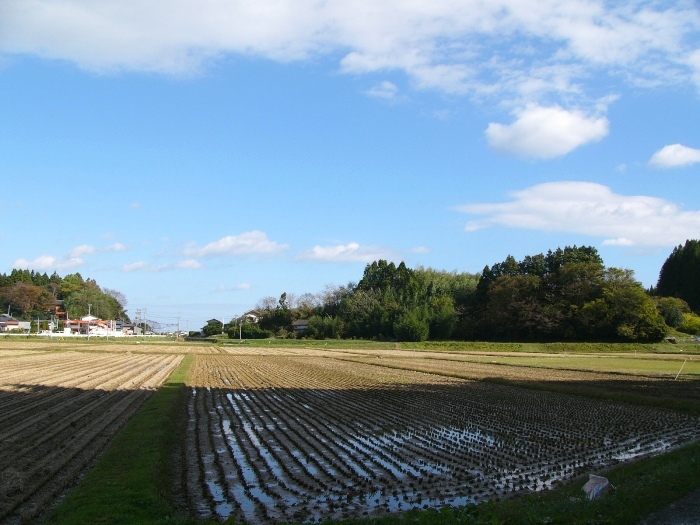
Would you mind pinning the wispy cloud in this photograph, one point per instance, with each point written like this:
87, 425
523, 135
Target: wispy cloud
235, 288
83, 249
88, 249
385, 90
145, 266
590, 209
74, 259
50, 263
135, 266
674, 156
193, 264
351, 252
546, 132
454, 46
249, 243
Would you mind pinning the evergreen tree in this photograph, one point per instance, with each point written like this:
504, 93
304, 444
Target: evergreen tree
680, 274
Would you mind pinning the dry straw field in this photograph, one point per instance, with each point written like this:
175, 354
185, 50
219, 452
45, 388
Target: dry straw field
305, 434
58, 411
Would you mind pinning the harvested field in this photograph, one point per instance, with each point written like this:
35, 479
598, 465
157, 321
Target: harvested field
58, 411
652, 383
274, 438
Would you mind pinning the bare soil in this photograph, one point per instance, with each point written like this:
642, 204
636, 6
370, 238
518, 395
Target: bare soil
58, 412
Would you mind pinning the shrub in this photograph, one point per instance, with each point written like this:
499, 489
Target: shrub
249, 331
412, 327
690, 325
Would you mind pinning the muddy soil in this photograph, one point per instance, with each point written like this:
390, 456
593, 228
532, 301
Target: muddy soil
275, 438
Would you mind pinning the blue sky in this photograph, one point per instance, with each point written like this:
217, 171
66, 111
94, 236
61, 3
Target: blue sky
202, 157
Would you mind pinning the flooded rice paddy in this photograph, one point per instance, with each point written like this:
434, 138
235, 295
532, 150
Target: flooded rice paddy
287, 438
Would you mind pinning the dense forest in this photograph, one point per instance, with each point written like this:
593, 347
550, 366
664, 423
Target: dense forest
564, 295
28, 295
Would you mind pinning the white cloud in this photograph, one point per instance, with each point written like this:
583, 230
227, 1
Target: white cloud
546, 132
253, 242
385, 90
590, 209
674, 156
351, 252
455, 46
87, 249
134, 266
145, 266
74, 258
83, 249
189, 264
49, 263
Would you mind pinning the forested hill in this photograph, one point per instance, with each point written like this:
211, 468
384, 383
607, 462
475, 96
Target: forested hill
30, 295
564, 295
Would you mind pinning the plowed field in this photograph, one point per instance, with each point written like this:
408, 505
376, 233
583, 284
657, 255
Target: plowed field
274, 438
58, 411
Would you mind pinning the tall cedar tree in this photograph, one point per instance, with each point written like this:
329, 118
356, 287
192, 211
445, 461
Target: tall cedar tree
680, 275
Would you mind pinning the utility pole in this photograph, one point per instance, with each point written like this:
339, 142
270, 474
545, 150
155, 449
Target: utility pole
88, 320
177, 336
144, 324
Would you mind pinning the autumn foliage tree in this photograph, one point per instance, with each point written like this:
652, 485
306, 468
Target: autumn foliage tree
28, 294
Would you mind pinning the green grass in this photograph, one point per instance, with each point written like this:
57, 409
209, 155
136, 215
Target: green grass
131, 484
340, 344
654, 366
691, 347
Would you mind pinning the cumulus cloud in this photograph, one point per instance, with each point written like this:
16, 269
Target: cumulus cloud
351, 252
248, 243
590, 209
49, 263
546, 132
674, 156
455, 46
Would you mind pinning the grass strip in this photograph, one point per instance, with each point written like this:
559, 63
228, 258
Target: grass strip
131, 483
642, 487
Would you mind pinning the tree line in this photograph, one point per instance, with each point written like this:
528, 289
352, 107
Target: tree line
564, 295
28, 295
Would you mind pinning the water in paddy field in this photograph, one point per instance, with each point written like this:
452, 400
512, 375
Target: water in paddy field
295, 458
